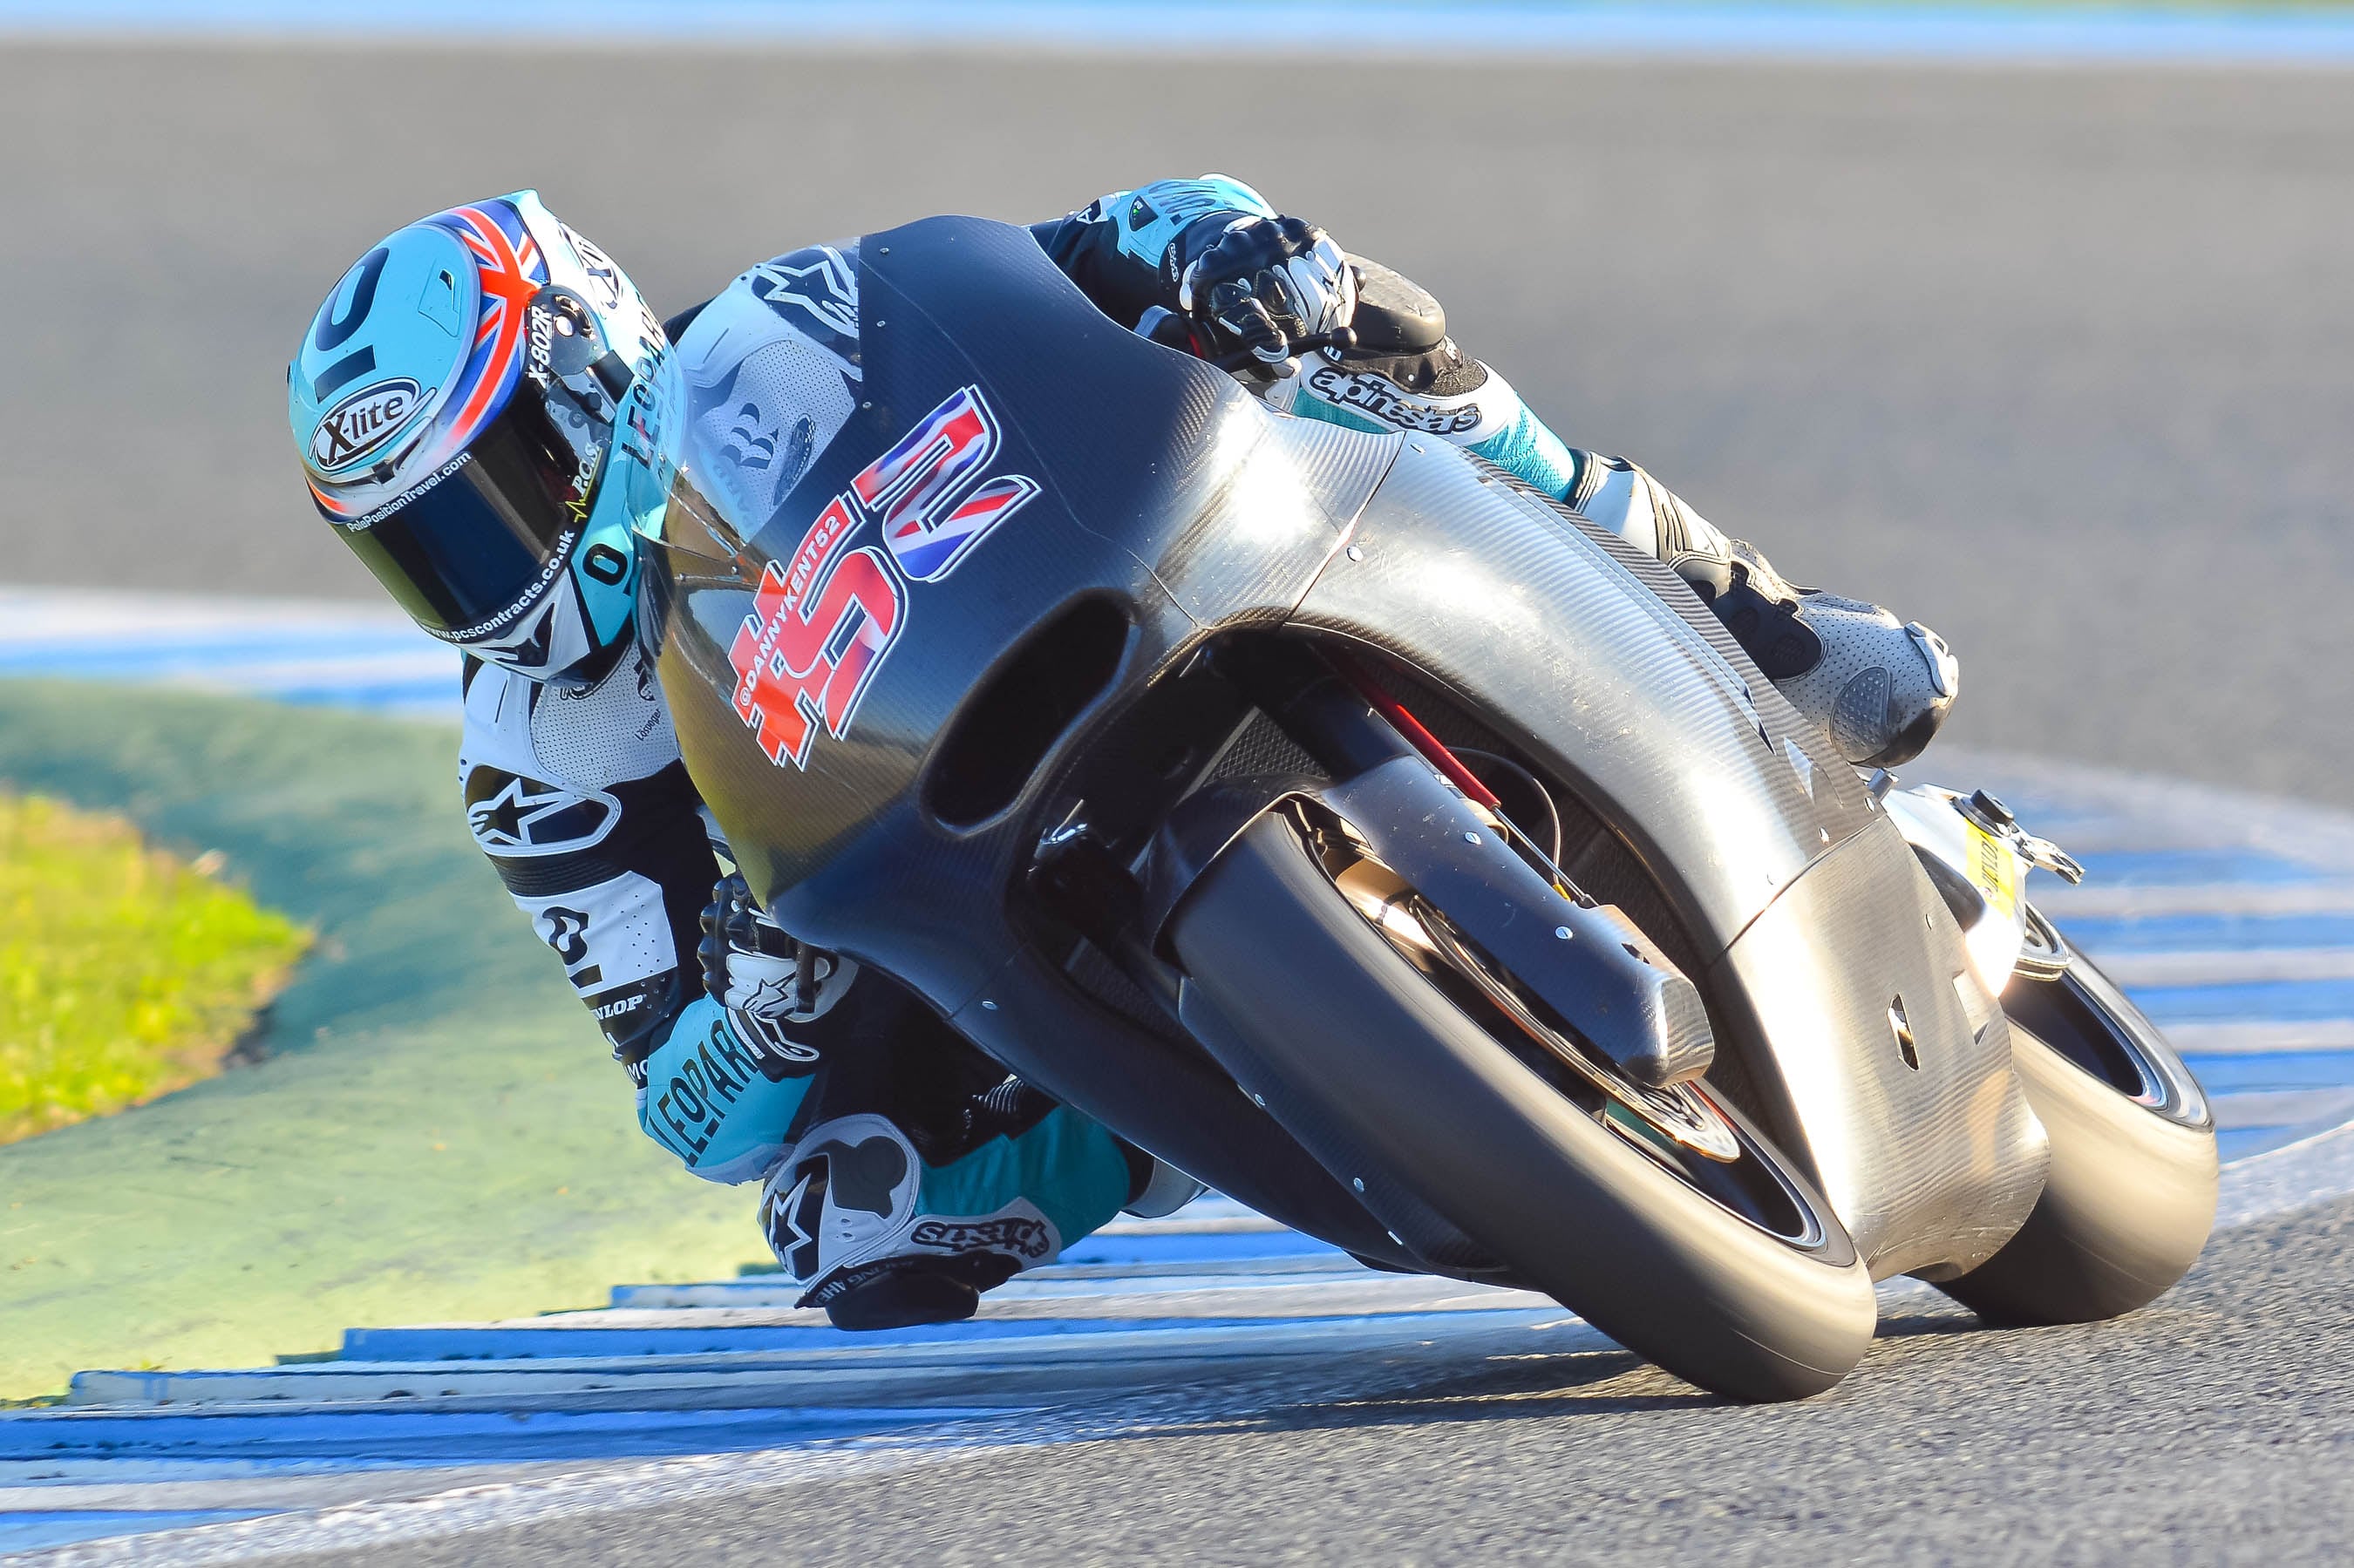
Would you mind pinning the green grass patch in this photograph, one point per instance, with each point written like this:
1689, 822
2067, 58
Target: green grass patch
436, 1130
125, 971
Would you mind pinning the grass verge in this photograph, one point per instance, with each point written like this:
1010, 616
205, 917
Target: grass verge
125, 973
437, 1131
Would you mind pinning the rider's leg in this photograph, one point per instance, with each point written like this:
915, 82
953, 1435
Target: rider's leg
1878, 687
905, 1173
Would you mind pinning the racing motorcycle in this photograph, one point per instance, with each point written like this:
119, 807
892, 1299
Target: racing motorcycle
1366, 834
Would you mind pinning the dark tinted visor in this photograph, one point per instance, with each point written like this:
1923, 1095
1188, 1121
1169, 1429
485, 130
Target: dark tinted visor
478, 543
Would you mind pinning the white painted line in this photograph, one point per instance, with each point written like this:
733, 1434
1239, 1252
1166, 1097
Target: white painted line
2302, 1175
2124, 901
470, 1509
2283, 1108
1054, 1279
771, 1330
51, 614
2262, 1039
276, 1493
2228, 966
930, 1371
1359, 1293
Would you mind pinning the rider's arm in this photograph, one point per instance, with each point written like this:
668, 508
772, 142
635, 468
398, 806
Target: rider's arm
1126, 250
583, 806
606, 854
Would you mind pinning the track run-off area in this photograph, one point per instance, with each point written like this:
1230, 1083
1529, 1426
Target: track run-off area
2229, 918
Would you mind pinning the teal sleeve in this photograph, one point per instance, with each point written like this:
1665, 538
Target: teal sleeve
706, 1100
1527, 448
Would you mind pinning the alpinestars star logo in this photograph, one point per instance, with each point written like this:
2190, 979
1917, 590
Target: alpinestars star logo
793, 1223
814, 292
513, 815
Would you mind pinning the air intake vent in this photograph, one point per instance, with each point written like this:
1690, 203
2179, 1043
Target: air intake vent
1902, 1027
1008, 726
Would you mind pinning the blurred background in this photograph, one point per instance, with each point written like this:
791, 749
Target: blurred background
2053, 359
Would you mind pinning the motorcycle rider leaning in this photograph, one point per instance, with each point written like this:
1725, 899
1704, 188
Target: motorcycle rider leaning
481, 406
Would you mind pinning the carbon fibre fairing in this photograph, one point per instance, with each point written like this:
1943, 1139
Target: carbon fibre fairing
1799, 898
1161, 487
819, 720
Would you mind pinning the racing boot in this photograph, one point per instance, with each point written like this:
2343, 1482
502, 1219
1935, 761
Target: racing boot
1878, 687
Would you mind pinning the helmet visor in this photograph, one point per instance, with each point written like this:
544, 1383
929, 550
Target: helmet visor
478, 542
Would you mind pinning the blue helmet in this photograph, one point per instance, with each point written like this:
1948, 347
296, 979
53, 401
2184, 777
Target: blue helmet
478, 406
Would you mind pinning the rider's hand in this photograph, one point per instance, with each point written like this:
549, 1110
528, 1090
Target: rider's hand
752, 967
1264, 283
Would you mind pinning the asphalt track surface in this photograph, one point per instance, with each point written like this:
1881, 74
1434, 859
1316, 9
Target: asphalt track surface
2210, 1429
2052, 360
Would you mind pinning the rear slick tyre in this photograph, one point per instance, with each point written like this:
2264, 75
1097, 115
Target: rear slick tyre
2128, 1204
1369, 1055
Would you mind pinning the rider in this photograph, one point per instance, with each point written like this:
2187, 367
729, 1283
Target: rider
476, 404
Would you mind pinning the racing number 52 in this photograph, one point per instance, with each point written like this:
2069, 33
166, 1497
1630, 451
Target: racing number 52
817, 634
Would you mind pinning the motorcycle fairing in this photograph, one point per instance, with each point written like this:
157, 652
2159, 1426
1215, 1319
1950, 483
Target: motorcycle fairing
1799, 896
1932, 1159
1574, 650
1168, 492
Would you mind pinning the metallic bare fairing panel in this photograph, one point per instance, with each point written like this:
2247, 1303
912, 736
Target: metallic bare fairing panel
1934, 1160
1799, 896
1161, 490
1163, 487
1699, 764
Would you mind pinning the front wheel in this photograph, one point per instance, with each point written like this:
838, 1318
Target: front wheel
1665, 1221
2131, 1196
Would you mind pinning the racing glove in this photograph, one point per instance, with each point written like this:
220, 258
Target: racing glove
768, 981
1263, 282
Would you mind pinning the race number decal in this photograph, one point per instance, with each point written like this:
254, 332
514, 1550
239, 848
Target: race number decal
915, 488
822, 622
815, 638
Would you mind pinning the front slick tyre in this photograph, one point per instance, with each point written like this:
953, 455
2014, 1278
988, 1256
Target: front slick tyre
2124, 1214
1368, 1056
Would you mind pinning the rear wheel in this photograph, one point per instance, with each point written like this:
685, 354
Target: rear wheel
2131, 1196
1404, 1059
